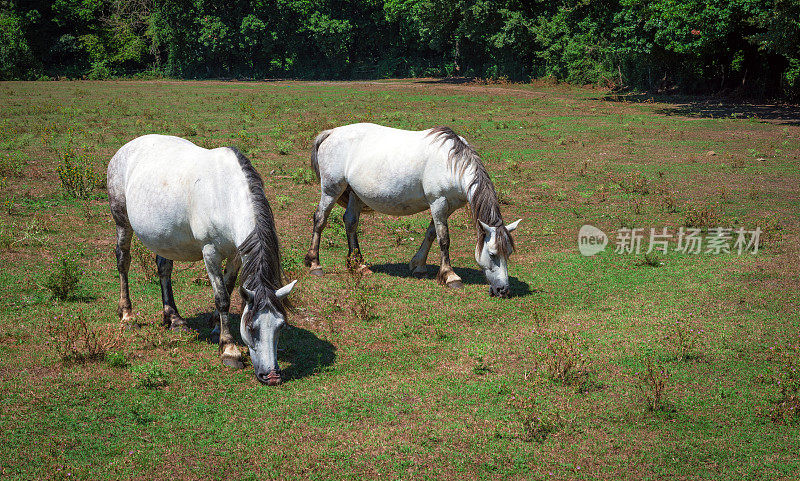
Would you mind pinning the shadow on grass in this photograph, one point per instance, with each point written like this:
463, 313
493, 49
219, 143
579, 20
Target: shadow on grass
302, 349
468, 275
706, 107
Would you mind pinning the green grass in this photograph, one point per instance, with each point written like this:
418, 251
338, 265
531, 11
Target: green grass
424, 386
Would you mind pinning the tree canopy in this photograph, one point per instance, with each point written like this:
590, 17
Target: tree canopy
749, 46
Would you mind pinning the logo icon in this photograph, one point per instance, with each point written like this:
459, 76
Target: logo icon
591, 240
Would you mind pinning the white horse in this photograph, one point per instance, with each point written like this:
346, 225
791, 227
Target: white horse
401, 172
188, 203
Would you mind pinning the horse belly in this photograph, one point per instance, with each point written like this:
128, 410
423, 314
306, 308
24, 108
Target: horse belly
389, 184
390, 194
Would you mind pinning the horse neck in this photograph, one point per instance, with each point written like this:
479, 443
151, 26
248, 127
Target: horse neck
467, 186
484, 208
244, 219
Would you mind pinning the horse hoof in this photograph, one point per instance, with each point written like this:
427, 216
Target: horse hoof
232, 363
178, 325
316, 272
364, 270
420, 274
455, 285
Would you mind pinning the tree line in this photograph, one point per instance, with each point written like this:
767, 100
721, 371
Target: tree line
750, 47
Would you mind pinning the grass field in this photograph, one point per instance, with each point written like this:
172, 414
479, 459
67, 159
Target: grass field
675, 366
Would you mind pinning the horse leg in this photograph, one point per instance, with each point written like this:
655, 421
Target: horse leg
440, 210
355, 261
230, 354
172, 319
123, 253
232, 266
420, 259
326, 203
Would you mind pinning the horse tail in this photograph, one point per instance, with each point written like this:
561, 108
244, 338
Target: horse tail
315, 148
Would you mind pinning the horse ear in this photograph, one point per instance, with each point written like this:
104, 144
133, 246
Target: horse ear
247, 295
487, 228
510, 227
285, 290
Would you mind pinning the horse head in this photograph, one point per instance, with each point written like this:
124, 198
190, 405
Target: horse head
491, 254
260, 326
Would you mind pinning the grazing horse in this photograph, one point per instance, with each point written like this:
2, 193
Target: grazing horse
188, 203
402, 172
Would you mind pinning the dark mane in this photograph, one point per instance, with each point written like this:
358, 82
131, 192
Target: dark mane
483, 201
262, 272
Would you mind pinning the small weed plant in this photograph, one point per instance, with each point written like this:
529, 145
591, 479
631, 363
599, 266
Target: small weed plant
11, 166
786, 407
145, 260
359, 296
292, 263
685, 337
336, 229
117, 359
537, 420
151, 376
283, 201
701, 217
652, 386
6, 235
651, 259
564, 361
303, 176
284, 147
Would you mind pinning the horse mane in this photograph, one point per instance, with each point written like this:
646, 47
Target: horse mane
262, 272
483, 202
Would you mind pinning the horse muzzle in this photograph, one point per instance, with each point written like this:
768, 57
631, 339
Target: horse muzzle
502, 291
271, 378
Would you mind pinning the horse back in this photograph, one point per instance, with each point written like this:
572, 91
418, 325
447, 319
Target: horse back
391, 170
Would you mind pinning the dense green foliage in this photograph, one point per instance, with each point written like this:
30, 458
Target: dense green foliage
750, 46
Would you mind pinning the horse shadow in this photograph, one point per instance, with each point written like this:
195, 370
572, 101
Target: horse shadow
470, 276
710, 107
306, 353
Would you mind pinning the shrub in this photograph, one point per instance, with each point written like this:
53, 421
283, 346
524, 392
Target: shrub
78, 179
64, 277
76, 342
